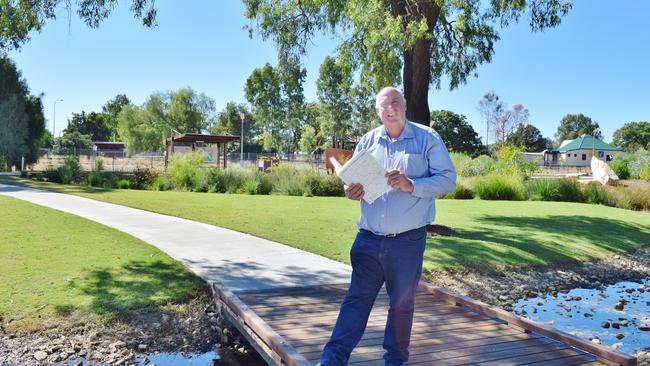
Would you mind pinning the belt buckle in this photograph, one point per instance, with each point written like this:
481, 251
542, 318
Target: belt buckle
391, 235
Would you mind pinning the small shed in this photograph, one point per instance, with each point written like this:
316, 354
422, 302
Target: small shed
195, 139
111, 149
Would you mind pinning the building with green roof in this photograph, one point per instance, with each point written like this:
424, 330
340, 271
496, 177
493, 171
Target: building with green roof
578, 152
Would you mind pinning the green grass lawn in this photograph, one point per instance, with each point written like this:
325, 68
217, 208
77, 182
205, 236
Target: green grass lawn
492, 234
54, 264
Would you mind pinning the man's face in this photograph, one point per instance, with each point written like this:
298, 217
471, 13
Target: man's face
391, 108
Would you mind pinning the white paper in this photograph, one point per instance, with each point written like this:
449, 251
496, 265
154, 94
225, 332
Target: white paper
363, 168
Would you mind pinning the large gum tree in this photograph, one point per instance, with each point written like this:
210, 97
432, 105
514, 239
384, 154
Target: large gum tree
415, 43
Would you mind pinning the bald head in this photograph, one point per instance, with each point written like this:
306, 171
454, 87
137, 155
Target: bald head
391, 109
389, 90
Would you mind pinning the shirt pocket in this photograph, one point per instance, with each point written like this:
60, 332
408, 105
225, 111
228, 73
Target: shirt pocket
416, 165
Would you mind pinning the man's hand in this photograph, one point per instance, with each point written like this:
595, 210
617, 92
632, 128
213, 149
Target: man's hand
398, 180
354, 191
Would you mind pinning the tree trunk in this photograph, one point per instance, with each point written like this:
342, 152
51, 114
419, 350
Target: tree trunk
417, 60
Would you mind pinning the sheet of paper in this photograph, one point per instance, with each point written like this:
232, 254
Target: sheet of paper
365, 169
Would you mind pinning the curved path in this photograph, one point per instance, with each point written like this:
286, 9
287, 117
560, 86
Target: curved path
238, 261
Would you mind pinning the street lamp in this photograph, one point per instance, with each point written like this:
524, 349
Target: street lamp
593, 141
54, 118
241, 141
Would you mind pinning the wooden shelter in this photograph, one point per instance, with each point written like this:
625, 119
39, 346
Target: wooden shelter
194, 139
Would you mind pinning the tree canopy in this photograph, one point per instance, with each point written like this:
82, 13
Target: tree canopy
19, 18
22, 122
632, 136
426, 41
92, 124
530, 138
456, 132
573, 126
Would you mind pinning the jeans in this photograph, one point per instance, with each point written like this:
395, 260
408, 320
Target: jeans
396, 261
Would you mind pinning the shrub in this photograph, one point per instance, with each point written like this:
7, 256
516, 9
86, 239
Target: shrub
287, 180
645, 173
215, 180
251, 186
53, 175
266, 185
143, 177
71, 169
99, 164
187, 170
509, 162
595, 193
461, 193
331, 186
621, 169
123, 184
479, 166
635, 199
496, 187
565, 190
94, 179
161, 183
233, 180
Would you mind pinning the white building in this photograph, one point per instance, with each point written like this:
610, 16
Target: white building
578, 152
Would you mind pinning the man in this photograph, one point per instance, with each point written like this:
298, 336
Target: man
390, 244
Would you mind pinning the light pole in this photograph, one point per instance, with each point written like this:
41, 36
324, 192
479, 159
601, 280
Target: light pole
593, 141
241, 141
54, 118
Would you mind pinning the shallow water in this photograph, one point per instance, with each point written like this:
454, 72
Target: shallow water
172, 359
591, 313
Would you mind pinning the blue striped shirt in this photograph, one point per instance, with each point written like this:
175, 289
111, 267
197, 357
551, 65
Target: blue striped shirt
420, 152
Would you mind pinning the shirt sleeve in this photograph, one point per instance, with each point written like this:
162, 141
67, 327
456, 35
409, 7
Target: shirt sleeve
442, 173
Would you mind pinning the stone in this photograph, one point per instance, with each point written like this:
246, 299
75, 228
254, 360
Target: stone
142, 347
616, 325
644, 327
602, 173
596, 340
40, 355
605, 324
619, 306
620, 336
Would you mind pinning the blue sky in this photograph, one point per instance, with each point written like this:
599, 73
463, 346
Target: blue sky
596, 63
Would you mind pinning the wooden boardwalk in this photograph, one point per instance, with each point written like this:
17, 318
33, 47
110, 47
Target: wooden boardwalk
290, 326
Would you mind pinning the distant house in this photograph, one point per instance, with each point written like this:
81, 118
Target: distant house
110, 149
578, 152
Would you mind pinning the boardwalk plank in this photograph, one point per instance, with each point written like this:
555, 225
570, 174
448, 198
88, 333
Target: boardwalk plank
447, 330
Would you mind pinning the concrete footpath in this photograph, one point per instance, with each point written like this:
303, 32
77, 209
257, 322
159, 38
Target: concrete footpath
238, 261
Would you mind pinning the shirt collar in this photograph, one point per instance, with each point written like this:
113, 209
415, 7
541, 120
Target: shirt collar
407, 132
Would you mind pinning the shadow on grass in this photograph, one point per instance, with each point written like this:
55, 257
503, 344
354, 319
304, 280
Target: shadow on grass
506, 241
139, 287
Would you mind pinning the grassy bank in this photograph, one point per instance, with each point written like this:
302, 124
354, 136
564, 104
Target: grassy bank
494, 234
55, 265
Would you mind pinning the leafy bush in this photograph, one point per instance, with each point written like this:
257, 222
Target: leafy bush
479, 166
595, 193
187, 170
143, 177
461, 193
645, 173
621, 169
161, 183
565, 190
497, 187
94, 179
257, 183
509, 162
233, 180
99, 164
215, 180
70, 172
265, 184
331, 186
123, 184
